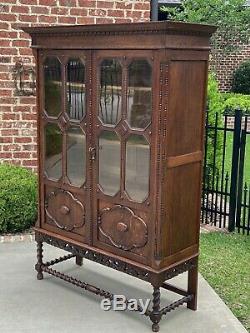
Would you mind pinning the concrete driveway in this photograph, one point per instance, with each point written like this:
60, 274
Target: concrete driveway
53, 306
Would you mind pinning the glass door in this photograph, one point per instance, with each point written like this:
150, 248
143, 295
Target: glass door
65, 138
122, 108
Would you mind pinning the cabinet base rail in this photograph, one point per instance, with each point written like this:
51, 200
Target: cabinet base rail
155, 313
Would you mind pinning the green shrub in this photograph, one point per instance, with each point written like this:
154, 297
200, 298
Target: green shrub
241, 79
234, 101
18, 198
215, 107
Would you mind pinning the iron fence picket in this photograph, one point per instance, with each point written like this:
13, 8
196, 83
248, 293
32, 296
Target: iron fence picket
248, 220
235, 170
241, 178
223, 165
216, 198
244, 213
225, 201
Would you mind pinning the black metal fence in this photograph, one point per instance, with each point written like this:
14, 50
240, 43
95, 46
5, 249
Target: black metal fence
226, 179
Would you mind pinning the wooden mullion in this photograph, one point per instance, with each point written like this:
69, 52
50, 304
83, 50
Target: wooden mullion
124, 118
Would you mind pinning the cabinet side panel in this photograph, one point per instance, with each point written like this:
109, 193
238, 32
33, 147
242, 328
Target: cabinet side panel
183, 183
185, 119
182, 167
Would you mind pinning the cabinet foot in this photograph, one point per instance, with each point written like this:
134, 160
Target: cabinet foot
155, 328
79, 261
193, 286
38, 266
39, 276
155, 315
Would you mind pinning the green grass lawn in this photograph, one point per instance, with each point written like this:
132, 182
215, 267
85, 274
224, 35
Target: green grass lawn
225, 264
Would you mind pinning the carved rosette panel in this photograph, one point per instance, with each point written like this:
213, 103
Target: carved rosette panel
64, 210
123, 228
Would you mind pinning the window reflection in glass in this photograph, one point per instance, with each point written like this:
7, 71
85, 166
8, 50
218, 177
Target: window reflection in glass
52, 86
76, 156
110, 105
139, 94
76, 106
137, 167
53, 151
109, 162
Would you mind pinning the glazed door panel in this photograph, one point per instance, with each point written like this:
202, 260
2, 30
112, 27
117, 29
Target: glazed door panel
65, 133
123, 125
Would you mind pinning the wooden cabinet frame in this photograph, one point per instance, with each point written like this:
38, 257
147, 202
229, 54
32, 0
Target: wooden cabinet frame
153, 239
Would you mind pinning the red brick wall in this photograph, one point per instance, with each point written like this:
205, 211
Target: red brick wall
18, 113
226, 66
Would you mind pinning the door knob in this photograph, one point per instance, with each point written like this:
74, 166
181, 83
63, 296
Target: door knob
122, 227
64, 210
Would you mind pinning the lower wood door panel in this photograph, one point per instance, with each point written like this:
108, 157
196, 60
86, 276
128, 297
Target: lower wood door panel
65, 213
122, 230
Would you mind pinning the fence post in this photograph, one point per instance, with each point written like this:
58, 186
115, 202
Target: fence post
235, 170
241, 176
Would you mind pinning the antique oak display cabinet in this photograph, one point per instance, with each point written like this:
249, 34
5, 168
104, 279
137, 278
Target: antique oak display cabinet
120, 137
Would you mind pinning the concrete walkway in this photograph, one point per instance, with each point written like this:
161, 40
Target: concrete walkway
53, 306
